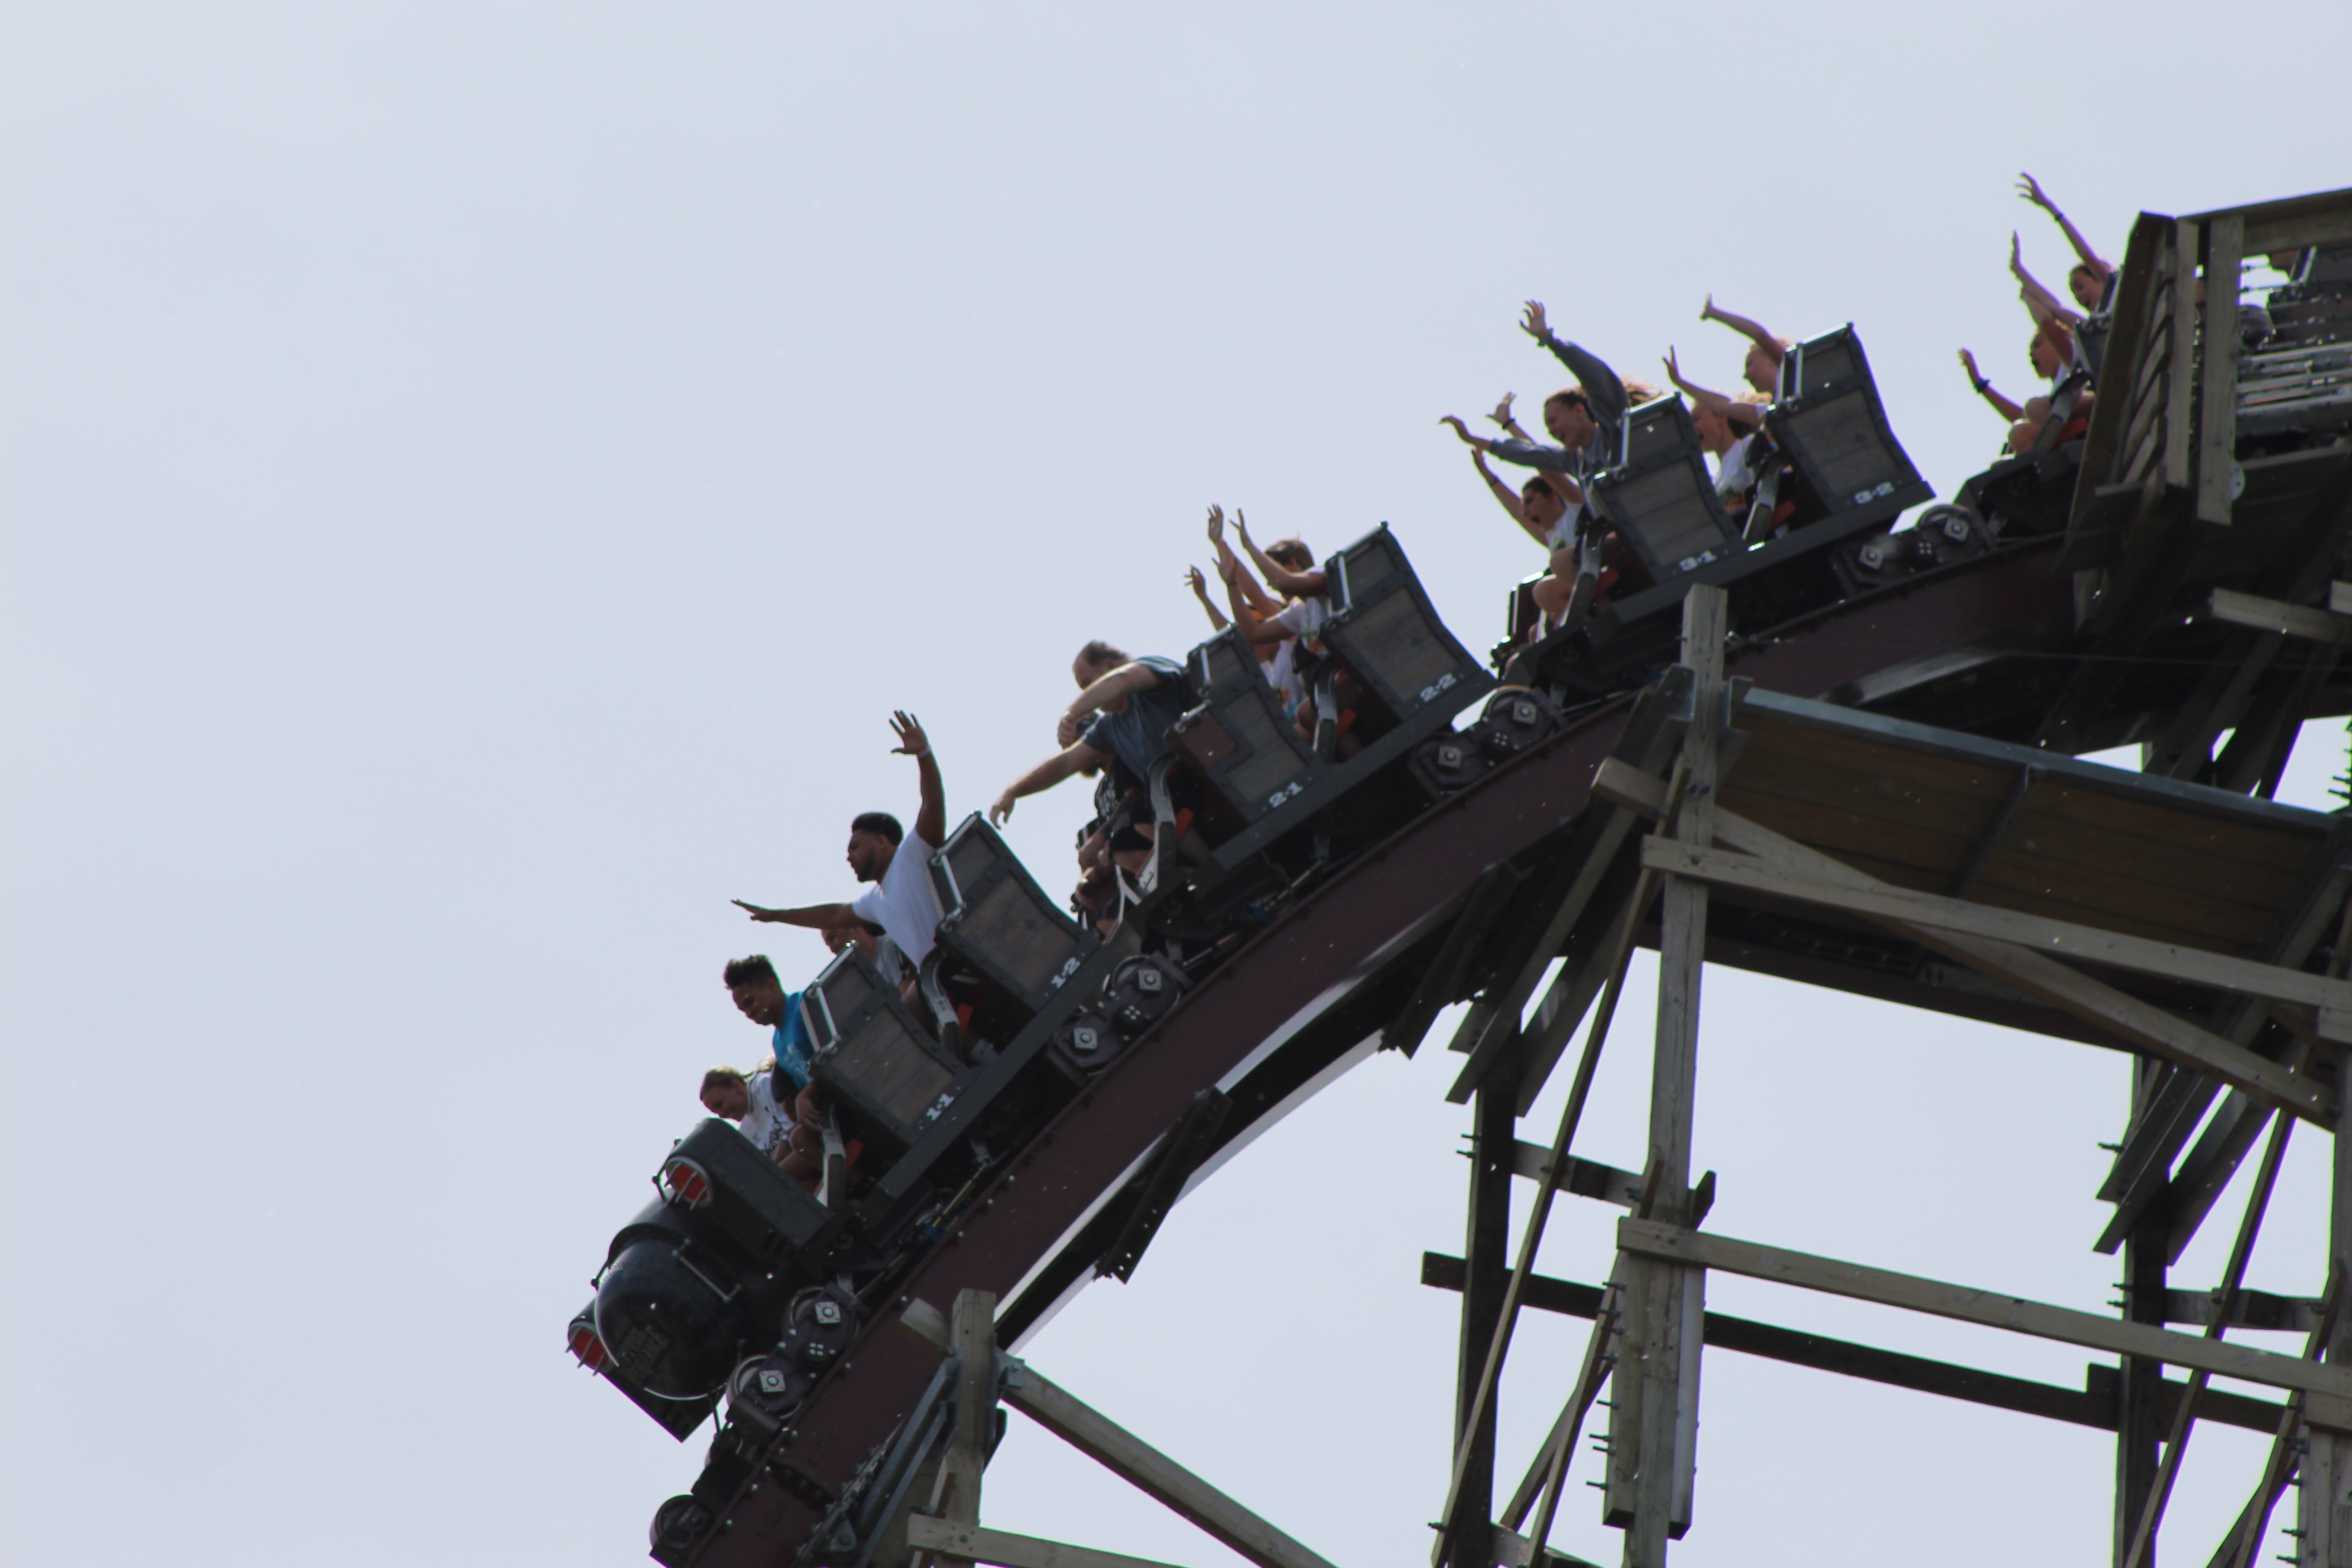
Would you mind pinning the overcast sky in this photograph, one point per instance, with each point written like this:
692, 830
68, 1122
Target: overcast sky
476, 477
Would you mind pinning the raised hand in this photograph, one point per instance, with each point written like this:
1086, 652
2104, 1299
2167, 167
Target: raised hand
1459, 429
1534, 324
1217, 526
1968, 363
1674, 370
2016, 256
1200, 584
1000, 809
756, 913
2031, 190
1502, 413
1706, 312
912, 743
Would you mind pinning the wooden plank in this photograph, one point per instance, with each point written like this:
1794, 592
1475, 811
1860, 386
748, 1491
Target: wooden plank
1930, 849
1992, 835
2289, 620
1585, 1178
2160, 880
2091, 1406
2121, 809
2145, 1026
2113, 949
971, 1543
1153, 1473
2184, 1417
1126, 1456
971, 1335
1782, 739
1657, 1405
2183, 385
2216, 441
2116, 818
1512, 1550
2016, 1314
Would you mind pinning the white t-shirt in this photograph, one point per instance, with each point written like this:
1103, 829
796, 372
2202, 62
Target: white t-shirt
1281, 672
767, 1123
1732, 477
1304, 618
902, 903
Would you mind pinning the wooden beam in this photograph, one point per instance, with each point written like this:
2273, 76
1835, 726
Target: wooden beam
972, 1336
1512, 1550
2275, 616
2216, 436
1654, 1406
1883, 902
2143, 1024
971, 1543
1448, 968
1649, 1238
1126, 1456
2093, 1405
2178, 420
2184, 1419
1988, 842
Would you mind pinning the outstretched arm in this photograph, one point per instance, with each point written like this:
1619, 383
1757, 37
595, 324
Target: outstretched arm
1200, 585
1240, 586
815, 917
1505, 497
1278, 577
932, 814
1602, 390
1475, 443
1075, 758
2031, 189
2007, 409
1741, 324
1109, 687
2040, 302
1503, 417
1746, 414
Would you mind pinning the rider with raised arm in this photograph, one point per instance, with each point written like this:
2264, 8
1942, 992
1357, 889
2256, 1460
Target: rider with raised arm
2087, 279
901, 900
1764, 351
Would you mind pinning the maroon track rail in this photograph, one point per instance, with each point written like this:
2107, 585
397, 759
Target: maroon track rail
1391, 893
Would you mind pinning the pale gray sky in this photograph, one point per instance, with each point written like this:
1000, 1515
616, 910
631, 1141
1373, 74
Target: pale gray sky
478, 477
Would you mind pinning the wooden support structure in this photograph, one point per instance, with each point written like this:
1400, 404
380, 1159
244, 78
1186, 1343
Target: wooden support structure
1828, 840
2325, 1511
1653, 1411
2096, 1404
1084, 1428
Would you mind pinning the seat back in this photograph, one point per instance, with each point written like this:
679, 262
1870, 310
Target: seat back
1659, 496
869, 1047
1829, 421
999, 920
1384, 628
1237, 738
762, 1210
